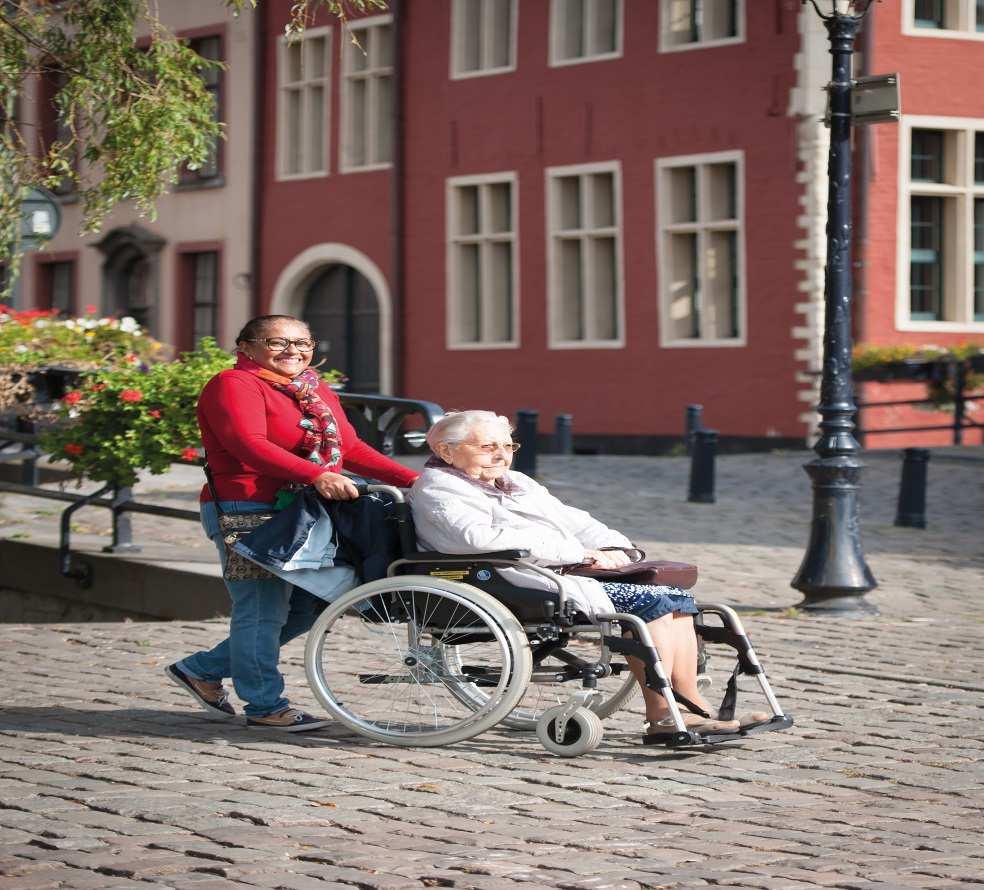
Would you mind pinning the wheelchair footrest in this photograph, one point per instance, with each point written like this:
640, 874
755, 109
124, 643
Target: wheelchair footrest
697, 739
776, 724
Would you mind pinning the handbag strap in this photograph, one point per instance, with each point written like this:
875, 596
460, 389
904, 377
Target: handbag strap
640, 555
211, 487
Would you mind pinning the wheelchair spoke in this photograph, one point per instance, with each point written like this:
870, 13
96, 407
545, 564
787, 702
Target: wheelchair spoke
401, 638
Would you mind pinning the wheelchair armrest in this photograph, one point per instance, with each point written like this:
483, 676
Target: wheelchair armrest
465, 557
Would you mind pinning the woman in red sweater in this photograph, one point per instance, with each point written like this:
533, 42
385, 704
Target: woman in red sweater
269, 424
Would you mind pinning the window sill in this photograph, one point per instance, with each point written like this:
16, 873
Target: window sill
470, 347
584, 60
194, 185
700, 44
942, 327
586, 344
945, 33
482, 72
730, 343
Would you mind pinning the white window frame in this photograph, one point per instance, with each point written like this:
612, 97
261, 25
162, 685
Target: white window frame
700, 226
964, 237
553, 281
455, 72
282, 89
966, 22
556, 31
666, 47
369, 74
451, 242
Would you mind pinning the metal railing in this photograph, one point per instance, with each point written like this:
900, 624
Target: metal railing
955, 371
379, 421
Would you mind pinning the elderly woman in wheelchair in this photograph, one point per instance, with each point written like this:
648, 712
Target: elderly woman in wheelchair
476, 623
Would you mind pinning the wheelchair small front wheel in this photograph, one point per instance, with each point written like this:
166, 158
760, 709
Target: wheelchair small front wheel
582, 733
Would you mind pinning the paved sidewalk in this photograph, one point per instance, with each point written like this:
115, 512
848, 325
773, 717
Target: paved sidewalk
110, 779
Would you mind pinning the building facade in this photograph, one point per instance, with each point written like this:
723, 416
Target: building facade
608, 208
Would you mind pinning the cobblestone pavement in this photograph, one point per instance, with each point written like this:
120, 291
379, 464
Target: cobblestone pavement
110, 779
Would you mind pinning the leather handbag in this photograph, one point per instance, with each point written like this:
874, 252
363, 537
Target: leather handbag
234, 526
641, 571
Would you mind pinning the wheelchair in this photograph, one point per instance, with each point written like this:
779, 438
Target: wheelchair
444, 648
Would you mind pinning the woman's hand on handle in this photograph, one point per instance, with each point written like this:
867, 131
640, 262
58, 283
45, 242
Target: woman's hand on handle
335, 487
608, 559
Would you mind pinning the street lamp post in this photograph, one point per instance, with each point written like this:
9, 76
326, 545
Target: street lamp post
834, 576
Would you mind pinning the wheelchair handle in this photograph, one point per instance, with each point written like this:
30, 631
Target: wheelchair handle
364, 488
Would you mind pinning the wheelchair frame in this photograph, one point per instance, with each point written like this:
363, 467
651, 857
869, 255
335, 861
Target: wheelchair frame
515, 628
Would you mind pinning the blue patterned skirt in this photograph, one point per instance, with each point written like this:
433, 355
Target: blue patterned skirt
649, 601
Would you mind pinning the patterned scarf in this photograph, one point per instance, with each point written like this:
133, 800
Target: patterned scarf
322, 443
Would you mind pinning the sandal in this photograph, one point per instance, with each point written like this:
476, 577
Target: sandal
692, 721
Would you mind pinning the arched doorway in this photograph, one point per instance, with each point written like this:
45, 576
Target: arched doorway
341, 308
131, 272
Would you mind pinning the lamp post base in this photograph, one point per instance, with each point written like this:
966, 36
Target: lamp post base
849, 605
834, 576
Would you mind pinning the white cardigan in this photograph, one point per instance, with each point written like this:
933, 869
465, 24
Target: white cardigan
452, 514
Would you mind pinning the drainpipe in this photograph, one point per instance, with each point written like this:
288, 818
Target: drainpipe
258, 136
864, 139
399, 10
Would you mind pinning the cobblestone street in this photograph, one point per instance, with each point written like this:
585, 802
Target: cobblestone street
111, 778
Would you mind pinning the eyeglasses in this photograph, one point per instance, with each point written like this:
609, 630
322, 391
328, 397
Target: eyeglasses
492, 447
282, 344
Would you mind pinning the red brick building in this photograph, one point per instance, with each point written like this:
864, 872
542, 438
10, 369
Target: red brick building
612, 208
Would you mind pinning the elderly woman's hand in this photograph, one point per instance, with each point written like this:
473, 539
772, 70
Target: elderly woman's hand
335, 487
608, 559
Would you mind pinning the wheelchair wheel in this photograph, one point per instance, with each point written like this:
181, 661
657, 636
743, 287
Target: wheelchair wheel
582, 733
377, 660
544, 693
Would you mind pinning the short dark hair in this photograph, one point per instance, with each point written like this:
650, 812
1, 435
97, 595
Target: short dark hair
254, 327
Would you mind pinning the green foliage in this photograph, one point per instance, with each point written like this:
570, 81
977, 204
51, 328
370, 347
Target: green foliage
126, 419
133, 115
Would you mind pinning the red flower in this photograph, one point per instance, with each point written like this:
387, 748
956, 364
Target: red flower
131, 395
73, 449
155, 413
98, 387
72, 398
189, 454
90, 309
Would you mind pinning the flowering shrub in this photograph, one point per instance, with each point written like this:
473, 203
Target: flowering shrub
125, 419
38, 338
129, 418
34, 339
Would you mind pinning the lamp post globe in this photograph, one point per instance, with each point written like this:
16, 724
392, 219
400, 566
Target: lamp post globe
40, 217
834, 576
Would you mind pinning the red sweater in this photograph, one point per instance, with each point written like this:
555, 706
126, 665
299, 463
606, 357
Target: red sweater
250, 434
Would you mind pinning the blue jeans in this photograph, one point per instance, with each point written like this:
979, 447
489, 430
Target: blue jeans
265, 615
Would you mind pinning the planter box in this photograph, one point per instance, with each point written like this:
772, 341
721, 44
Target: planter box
909, 369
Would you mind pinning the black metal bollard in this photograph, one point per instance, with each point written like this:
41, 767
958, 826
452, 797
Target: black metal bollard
912, 492
122, 526
563, 434
692, 423
525, 435
702, 467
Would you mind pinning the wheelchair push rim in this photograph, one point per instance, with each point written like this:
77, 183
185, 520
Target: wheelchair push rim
376, 660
